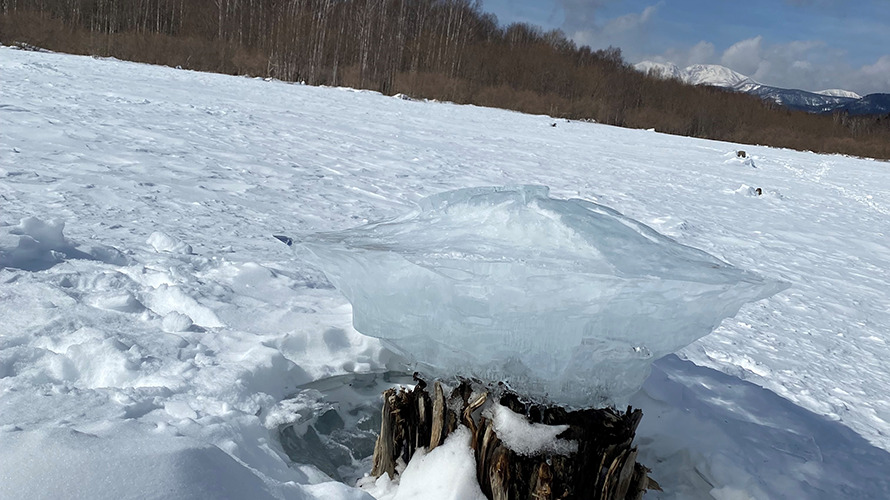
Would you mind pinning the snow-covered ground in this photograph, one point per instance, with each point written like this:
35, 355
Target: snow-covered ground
154, 338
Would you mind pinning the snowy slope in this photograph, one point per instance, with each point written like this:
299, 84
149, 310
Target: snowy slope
150, 346
839, 93
872, 104
800, 99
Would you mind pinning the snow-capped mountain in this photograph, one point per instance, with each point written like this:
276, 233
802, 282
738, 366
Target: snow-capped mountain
800, 99
823, 101
839, 93
715, 75
664, 70
872, 104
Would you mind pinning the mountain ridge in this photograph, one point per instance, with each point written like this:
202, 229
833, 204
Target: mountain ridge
823, 101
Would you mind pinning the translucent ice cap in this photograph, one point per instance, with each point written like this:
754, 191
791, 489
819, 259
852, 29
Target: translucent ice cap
564, 300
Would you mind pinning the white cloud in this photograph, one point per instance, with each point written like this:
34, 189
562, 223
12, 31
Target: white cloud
630, 22
625, 31
580, 14
875, 77
702, 53
745, 57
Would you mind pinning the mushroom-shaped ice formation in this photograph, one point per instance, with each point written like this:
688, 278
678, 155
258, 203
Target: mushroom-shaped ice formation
564, 300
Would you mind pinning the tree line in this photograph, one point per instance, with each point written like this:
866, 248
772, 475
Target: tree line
437, 49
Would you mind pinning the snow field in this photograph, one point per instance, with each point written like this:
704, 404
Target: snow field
150, 323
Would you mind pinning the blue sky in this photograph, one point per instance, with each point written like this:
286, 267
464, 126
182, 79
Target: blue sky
807, 44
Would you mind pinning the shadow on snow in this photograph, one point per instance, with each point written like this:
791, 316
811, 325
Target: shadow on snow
707, 434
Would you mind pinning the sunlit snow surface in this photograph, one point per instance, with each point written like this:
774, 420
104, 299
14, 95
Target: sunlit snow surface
561, 299
162, 342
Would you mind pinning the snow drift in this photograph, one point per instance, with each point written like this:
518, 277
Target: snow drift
565, 300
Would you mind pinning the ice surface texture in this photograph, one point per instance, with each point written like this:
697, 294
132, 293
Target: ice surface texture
564, 300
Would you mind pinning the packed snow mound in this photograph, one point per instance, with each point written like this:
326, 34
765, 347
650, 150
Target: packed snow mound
446, 473
163, 242
80, 465
566, 300
37, 245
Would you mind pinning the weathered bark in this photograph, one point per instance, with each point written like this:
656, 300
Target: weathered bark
384, 455
604, 467
437, 434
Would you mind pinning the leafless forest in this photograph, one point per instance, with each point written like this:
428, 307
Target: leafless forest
437, 49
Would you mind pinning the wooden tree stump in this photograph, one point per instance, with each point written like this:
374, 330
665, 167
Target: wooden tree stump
603, 467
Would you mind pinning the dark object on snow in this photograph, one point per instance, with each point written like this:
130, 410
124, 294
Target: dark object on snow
758, 191
603, 467
30, 48
287, 240
741, 154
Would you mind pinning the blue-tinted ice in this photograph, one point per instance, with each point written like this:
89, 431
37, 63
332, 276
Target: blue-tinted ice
564, 300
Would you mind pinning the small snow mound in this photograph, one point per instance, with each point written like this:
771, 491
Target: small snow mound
109, 255
33, 245
78, 465
747, 190
747, 161
756, 192
175, 322
49, 234
117, 300
104, 363
528, 439
164, 243
37, 245
180, 409
166, 299
672, 226
446, 473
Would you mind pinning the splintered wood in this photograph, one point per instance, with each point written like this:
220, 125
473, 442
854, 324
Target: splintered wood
604, 466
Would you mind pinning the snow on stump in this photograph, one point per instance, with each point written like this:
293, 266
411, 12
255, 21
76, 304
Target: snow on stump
564, 302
